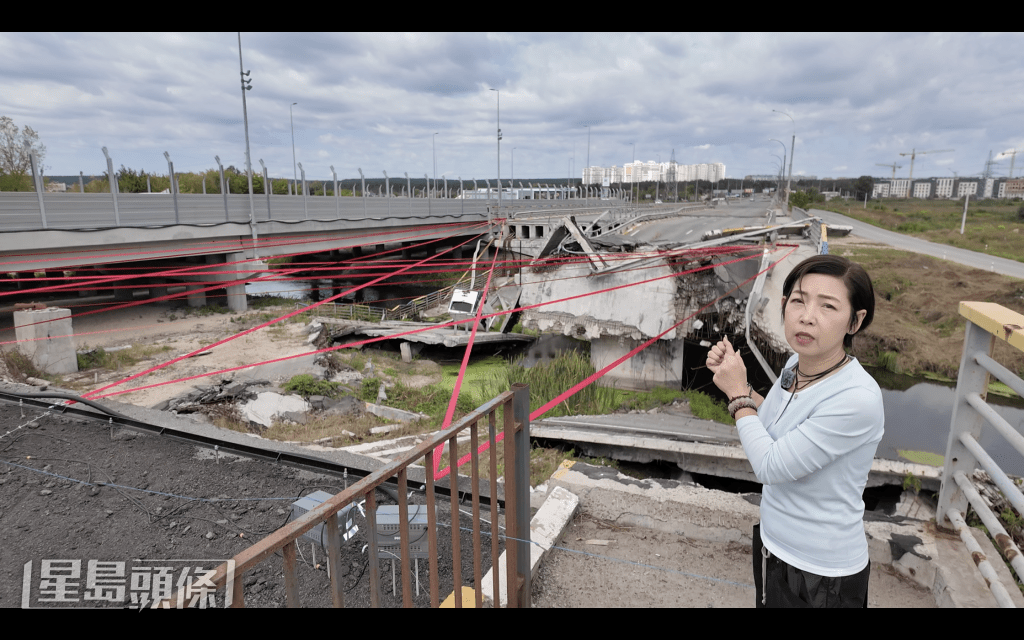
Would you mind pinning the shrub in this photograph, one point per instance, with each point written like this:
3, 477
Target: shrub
307, 385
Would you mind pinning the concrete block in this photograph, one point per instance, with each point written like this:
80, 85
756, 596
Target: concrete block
545, 530
269, 405
390, 413
46, 337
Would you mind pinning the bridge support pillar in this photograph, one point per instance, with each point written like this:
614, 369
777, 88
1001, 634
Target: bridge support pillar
406, 251
158, 289
55, 352
196, 298
123, 295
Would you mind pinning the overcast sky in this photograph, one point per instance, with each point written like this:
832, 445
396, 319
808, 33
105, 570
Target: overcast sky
375, 100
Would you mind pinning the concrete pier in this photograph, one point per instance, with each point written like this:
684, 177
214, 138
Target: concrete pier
45, 336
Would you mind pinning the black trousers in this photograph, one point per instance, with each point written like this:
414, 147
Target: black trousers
787, 586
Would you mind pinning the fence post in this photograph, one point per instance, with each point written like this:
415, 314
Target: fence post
973, 378
362, 179
113, 186
223, 186
174, 192
36, 182
305, 209
337, 203
267, 188
521, 439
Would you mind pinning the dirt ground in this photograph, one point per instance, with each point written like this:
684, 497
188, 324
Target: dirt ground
916, 308
152, 325
646, 568
45, 517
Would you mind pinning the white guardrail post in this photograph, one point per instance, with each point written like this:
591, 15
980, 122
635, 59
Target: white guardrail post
986, 322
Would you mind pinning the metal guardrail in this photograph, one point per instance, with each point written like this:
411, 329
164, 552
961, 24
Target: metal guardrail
515, 406
986, 322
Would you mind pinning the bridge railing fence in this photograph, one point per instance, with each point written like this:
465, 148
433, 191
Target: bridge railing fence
514, 407
986, 323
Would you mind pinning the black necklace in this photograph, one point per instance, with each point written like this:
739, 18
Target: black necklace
809, 379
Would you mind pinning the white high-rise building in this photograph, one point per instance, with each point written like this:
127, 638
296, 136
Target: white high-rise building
652, 171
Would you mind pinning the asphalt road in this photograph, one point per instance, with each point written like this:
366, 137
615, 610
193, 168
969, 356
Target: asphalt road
966, 257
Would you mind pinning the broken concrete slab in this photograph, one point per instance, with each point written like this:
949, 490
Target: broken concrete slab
390, 413
344, 406
269, 405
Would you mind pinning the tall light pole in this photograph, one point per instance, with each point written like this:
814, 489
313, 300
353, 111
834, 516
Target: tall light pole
248, 163
789, 184
295, 172
513, 170
499, 146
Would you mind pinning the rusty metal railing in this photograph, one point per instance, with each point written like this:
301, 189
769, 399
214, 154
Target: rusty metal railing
515, 405
986, 322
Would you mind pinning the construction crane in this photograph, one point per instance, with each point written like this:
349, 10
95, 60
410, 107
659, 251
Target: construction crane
913, 154
1013, 156
988, 166
894, 167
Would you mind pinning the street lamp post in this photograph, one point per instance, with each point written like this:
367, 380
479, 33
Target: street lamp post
499, 157
789, 184
783, 151
248, 162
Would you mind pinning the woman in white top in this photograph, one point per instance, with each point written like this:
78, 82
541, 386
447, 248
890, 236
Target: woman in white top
811, 441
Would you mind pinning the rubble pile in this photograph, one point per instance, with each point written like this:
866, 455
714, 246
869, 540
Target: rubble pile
227, 391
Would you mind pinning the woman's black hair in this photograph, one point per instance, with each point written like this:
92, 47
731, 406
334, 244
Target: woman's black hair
856, 279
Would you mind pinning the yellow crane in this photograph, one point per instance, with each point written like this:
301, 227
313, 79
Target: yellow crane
914, 153
894, 167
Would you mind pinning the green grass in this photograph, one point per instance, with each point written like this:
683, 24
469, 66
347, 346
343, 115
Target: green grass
307, 385
993, 226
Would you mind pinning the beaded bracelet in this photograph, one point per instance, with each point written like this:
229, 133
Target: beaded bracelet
742, 402
750, 390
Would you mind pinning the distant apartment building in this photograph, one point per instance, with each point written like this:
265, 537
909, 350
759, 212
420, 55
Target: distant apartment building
949, 188
1014, 188
967, 187
944, 187
900, 188
652, 171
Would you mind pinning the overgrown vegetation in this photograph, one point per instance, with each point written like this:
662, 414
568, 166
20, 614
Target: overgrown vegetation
994, 226
307, 385
19, 367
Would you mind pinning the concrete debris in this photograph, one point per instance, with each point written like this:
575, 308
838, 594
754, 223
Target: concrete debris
268, 405
227, 390
390, 413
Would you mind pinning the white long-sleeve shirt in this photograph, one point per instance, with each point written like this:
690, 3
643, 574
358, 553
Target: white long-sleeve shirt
813, 458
